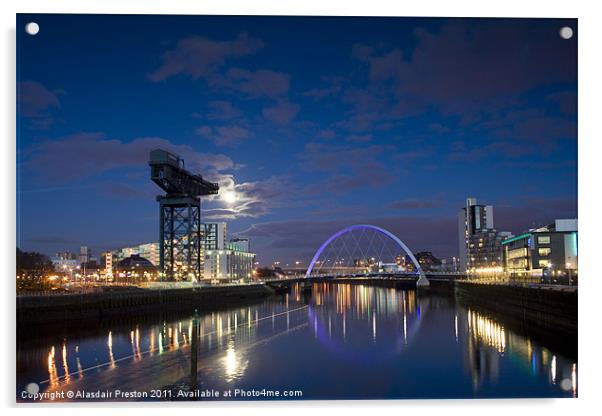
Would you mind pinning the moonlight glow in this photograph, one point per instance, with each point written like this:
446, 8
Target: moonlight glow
229, 197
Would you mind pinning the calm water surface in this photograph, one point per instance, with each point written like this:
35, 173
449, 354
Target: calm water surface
342, 342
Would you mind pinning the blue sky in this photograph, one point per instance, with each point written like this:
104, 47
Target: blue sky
312, 123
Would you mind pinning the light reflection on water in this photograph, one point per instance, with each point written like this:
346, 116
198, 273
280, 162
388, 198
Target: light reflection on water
379, 334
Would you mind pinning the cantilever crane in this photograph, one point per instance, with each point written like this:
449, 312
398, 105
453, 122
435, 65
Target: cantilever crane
180, 223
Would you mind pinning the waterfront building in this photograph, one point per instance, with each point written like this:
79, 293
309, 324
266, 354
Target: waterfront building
479, 242
228, 265
549, 251
65, 265
427, 261
225, 262
241, 244
485, 250
221, 261
472, 218
135, 269
149, 251
388, 268
214, 236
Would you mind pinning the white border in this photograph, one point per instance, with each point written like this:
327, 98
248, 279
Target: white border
590, 175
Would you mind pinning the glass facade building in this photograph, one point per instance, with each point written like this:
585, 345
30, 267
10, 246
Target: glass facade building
550, 252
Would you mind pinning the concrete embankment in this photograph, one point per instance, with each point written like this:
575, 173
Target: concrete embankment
544, 314
533, 308
32, 310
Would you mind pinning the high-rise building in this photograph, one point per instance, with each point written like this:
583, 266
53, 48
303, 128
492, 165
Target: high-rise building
85, 254
479, 242
472, 219
214, 236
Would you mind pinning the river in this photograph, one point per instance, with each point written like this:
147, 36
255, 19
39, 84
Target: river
344, 341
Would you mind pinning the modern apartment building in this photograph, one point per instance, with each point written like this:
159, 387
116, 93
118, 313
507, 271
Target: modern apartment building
479, 243
472, 218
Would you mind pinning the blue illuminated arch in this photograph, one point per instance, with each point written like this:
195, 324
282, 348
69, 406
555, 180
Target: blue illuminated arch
366, 227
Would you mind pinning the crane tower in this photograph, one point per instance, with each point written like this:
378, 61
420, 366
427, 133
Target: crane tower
180, 215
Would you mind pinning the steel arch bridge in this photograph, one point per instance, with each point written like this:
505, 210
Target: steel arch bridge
422, 280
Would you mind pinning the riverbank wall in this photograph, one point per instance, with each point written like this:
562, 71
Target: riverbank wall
544, 308
91, 307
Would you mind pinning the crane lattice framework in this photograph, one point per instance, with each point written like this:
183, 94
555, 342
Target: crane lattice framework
180, 215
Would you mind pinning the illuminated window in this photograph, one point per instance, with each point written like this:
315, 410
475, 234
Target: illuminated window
518, 263
543, 239
544, 263
544, 251
516, 253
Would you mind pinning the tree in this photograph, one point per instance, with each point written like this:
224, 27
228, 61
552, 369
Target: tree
32, 268
32, 261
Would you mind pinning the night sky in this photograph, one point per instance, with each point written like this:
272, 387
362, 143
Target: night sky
308, 124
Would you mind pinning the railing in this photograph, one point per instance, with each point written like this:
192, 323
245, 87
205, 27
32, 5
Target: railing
59, 292
524, 280
90, 288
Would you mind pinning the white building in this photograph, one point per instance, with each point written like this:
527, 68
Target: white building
214, 236
149, 251
65, 265
108, 272
240, 244
225, 262
228, 265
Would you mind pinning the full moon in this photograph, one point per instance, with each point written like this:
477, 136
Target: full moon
229, 197
566, 32
32, 28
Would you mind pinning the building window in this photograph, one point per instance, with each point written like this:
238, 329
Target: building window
543, 239
518, 264
544, 251
516, 253
544, 263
